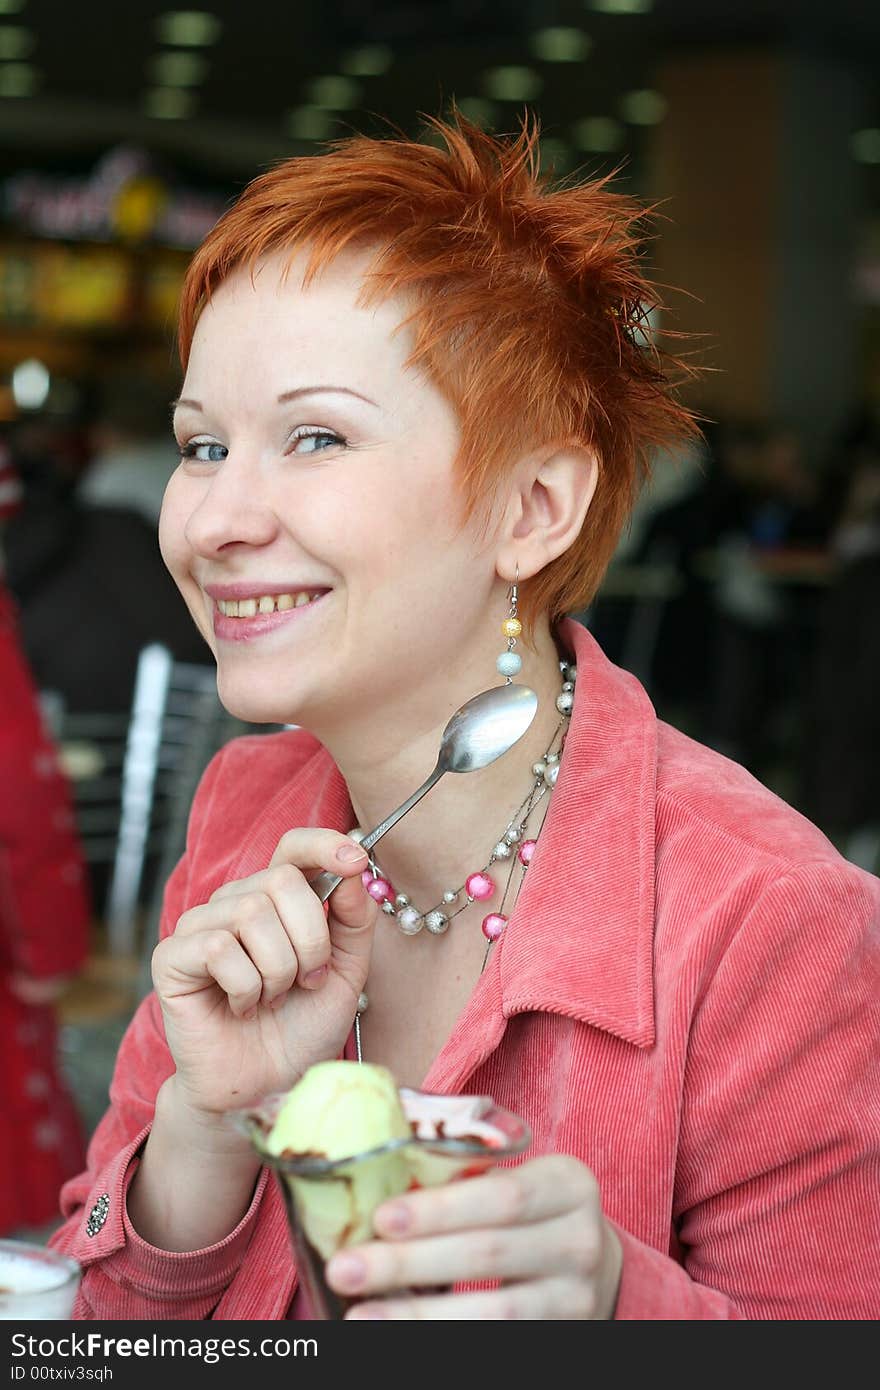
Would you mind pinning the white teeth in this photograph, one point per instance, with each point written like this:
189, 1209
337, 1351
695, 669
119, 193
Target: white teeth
267, 603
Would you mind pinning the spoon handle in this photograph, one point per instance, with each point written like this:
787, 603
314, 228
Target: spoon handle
325, 883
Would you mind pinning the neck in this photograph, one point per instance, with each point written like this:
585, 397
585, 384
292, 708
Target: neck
453, 830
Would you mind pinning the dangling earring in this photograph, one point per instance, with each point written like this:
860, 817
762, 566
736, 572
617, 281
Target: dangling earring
509, 663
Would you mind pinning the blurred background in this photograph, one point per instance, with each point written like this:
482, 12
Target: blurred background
743, 596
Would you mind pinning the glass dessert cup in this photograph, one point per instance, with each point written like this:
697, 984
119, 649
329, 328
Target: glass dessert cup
330, 1202
36, 1282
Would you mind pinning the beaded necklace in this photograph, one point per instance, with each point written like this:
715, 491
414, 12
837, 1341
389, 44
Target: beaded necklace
478, 886
512, 845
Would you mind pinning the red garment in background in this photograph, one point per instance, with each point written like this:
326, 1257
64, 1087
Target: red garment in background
44, 919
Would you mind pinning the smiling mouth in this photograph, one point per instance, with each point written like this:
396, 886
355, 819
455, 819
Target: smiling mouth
266, 603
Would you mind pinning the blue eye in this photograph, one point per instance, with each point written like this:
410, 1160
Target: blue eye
316, 440
196, 448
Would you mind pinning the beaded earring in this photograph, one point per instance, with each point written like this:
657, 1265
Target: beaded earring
509, 663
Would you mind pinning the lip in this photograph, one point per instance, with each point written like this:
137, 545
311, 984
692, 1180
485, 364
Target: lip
261, 624
258, 588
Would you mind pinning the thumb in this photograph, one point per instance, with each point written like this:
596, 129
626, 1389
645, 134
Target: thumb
351, 920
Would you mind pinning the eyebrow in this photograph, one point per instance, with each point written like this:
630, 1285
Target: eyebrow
288, 396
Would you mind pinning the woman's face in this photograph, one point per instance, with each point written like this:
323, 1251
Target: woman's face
313, 525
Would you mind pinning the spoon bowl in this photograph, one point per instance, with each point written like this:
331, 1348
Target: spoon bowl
487, 726
476, 735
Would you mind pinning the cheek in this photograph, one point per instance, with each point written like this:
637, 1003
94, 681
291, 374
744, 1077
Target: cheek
172, 525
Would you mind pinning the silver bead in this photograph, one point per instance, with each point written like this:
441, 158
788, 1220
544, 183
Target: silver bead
388, 908
357, 834
551, 775
538, 769
571, 674
568, 685
501, 850
450, 896
410, 921
436, 922
564, 702
363, 1003
514, 834
402, 900
551, 758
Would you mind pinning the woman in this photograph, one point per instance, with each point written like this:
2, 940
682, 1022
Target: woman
415, 391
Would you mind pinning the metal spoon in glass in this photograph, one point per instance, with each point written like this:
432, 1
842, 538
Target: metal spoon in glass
477, 734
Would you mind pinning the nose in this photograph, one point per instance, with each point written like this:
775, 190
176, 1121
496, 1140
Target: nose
233, 510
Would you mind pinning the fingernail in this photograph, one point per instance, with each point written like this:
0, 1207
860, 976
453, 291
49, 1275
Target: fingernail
364, 1311
349, 1271
314, 977
349, 854
395, 1218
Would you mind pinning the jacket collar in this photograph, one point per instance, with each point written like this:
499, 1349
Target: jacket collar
580, 939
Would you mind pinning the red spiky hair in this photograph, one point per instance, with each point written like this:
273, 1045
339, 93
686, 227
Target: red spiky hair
529, 302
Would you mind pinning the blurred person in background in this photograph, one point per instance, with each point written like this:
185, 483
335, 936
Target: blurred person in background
88, 576
841, 777
764, 506
44, 937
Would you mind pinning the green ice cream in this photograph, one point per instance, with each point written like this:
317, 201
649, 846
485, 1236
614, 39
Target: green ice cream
341, 1110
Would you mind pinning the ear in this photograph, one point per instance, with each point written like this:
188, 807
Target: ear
545, 510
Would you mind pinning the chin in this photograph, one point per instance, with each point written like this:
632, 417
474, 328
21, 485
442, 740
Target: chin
254, 706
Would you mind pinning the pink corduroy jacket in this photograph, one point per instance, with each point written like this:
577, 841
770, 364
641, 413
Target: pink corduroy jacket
686, 998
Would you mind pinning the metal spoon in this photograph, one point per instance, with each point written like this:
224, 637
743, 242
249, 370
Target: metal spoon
475, 736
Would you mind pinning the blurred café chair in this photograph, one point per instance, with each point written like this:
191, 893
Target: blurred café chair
133, 777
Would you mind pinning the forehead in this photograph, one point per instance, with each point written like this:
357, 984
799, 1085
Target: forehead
265, 321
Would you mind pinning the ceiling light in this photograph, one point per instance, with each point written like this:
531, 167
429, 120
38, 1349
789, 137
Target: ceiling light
17, 79
309, 123
188, 28
598, 134
178, 69
169, 103
512, 83
865, 145
333, 93
561, 45
369, 61
478, 110
643, 107
15, 42
30, 384
621, 6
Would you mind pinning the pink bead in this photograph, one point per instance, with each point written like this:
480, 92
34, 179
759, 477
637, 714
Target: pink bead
367, 878
479, 886
526, 850
493, 925
380, 889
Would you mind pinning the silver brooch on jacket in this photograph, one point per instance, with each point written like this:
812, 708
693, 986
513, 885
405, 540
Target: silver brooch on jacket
98, 1214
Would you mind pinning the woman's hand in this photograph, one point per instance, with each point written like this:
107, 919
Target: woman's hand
537, 1228
261, 981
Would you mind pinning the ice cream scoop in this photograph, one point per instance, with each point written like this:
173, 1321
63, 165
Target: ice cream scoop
342, 1110
344, 1140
